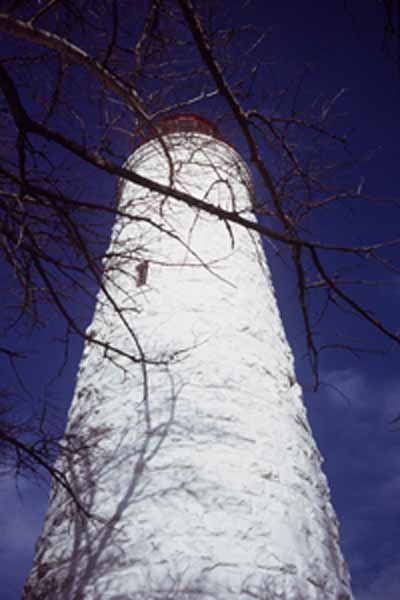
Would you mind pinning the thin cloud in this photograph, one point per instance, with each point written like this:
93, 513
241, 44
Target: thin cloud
386, 586
363, 465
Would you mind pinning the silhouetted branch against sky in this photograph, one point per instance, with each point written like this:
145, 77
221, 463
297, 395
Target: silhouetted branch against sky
82, 84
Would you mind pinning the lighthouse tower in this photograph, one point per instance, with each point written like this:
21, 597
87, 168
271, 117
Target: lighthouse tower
188, 441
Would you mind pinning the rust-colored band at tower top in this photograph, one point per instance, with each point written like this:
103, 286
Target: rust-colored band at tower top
187, 123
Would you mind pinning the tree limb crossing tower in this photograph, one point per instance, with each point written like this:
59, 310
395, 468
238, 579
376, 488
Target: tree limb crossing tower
193, 453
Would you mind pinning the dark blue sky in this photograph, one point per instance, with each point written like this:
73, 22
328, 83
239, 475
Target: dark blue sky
342, 42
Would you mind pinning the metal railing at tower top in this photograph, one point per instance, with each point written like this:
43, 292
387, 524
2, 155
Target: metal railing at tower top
182, 123
188, 123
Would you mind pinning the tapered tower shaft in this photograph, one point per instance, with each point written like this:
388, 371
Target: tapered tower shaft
193, 450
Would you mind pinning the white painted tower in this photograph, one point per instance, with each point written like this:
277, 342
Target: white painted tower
198, 466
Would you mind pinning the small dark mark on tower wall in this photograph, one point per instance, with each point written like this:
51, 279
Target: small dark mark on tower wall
142, 270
